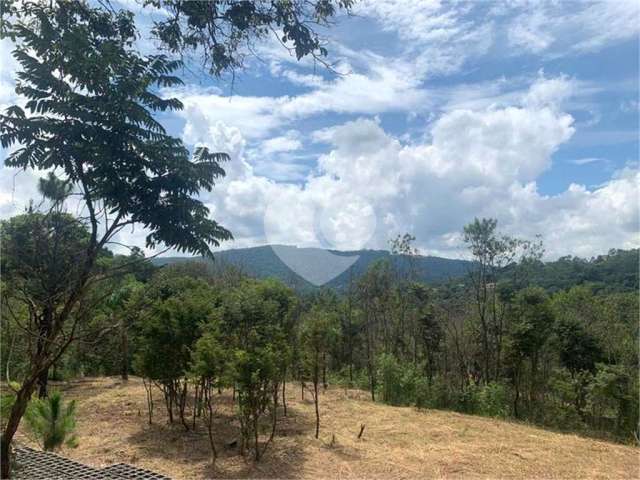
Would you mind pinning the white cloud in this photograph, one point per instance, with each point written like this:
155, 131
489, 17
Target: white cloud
587, 160
285, 143
8, 66
484, 162
561, 28
481, 153
383, 85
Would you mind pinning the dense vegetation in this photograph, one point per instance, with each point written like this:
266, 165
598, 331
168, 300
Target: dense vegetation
565, 360
263, 262
615, 271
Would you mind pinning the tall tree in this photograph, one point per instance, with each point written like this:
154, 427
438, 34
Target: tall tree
89, 115
492, 253
318, 332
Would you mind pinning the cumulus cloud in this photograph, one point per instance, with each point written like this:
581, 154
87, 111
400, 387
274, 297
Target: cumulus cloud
370, 185
358, 182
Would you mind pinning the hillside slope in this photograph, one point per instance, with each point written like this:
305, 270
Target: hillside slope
263, 262
616, 271
397, 442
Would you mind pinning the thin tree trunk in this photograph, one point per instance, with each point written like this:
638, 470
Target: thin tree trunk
315, 387
124, 345
149, 394
195, 407
207, 398
324, 372
284, 396
256, 437
17, 411
182, 404
43, 381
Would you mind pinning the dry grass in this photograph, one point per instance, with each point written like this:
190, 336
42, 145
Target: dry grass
397, 442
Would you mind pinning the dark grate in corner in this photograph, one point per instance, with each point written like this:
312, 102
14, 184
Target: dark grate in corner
129, 472
32, 464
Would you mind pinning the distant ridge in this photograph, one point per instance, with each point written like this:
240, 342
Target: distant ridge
263, 262
615, 271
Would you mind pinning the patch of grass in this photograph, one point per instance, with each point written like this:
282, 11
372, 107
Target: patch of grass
398, 442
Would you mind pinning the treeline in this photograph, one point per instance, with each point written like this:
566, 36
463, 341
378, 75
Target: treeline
496, 344
616, 271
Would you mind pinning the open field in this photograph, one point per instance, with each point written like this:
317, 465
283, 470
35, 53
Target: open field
397, 442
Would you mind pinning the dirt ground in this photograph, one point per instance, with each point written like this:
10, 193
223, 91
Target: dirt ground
398, 442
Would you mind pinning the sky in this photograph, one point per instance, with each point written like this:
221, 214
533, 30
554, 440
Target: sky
437, 112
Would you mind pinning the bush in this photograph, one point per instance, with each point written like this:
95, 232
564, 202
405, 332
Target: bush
402, 384
422, 393
564, 394
390, 378
467, 400
612, 398
493, 400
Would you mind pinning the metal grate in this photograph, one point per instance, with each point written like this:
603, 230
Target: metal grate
32, 464
129, 472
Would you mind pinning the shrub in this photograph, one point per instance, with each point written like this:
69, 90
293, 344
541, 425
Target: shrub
52, 421
565, 391
390, 376
493, 400
612, 398
423, 393
467, 400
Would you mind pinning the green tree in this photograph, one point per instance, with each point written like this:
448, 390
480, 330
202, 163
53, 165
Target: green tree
118, 305
89, 114
319, 331
530, 331
613, 393
211, 367
254, 316
492, 254
42, 256
172, 311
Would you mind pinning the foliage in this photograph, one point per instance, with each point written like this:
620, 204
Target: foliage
52, 421
613, 394
224, 32
90, 104
493, 400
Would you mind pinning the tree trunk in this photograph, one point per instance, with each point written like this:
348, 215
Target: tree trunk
17, 411
43, 381
324, 372
255, 436
207, 391
182, 404
124, 344
316, 380
284, 396
44, 329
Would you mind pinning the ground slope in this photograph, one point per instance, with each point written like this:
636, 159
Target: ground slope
397, 442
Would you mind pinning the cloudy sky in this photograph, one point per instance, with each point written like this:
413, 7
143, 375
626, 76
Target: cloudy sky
439, 112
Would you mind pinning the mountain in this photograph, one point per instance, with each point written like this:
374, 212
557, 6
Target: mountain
306, 268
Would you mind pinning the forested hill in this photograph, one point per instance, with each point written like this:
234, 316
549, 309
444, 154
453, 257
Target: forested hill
615, 271
263, 262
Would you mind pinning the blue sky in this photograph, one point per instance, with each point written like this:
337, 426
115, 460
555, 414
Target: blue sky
442, 111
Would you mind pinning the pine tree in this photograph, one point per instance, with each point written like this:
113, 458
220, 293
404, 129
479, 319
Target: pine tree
52, 421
